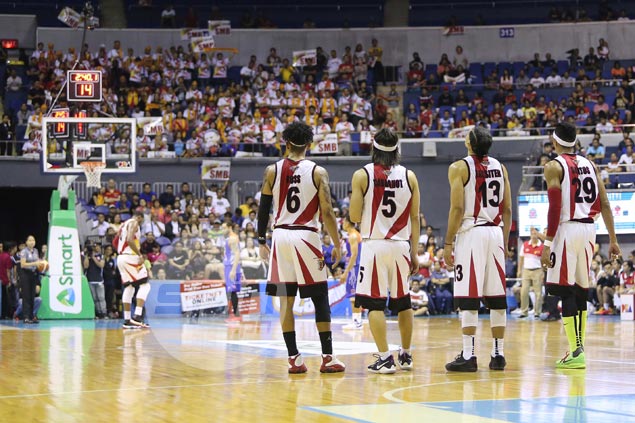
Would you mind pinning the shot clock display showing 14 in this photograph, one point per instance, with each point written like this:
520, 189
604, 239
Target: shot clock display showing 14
84, 85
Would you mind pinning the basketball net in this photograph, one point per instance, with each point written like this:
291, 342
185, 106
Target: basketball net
93, 170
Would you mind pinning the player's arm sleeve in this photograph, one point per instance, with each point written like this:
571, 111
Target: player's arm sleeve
266, 199
263, 217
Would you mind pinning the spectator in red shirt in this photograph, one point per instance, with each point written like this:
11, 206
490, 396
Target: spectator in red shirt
426, 116
529, 95
530, 270
112, 194
6, 264
346, 70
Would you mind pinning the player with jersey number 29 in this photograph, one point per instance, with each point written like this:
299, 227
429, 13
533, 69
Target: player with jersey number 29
299, 191
385, 200
478, 228
576, 199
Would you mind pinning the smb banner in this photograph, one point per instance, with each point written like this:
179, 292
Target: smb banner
215, 170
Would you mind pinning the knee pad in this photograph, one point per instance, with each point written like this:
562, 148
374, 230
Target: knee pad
469, 318
128, 293
322, 308
144, 290
498, 318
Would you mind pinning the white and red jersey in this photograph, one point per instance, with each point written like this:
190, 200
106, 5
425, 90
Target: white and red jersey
531, 254
483, 193
295, 195
386, 210
122, 243
580, 191
627, 280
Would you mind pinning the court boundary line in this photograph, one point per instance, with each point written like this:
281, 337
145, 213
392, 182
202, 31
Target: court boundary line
204, 385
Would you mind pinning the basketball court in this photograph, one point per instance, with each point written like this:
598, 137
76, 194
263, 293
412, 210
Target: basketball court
208, 370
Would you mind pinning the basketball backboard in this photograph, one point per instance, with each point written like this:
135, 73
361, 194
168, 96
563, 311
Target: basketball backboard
67, 142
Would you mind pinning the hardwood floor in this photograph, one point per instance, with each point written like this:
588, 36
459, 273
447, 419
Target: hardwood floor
211, 371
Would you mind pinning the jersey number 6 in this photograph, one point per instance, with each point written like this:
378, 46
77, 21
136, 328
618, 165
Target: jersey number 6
293, 200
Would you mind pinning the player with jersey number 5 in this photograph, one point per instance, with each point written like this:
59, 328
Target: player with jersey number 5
385, 199
133, 272
299, 191
475, 245
576, 199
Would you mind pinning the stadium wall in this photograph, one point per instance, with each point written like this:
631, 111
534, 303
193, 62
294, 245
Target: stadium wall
21, 27
484, 42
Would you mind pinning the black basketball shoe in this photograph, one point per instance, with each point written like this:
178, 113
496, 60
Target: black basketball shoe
462, 365
497, 363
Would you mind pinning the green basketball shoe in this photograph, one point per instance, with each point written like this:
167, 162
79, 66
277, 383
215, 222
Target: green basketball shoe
569, 361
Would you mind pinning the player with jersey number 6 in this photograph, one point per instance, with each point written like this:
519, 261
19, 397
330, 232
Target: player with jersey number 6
576, 198
299, 191
475, 245
385, 199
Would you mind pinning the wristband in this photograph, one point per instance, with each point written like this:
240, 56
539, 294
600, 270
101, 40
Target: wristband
262, 240
547, 243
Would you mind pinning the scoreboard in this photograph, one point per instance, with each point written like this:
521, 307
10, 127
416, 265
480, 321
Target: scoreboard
84, 85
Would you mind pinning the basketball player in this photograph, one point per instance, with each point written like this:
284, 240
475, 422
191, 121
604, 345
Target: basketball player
576, 198
300, 193
385, 199
133, 272
480, 203
233, 271
349, 276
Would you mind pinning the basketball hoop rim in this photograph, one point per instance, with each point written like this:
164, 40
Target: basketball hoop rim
88, 166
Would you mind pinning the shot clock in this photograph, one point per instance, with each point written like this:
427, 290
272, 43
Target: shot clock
84, 85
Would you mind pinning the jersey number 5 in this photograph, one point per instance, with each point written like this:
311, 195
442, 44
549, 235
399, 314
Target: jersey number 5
495, 198
388, 201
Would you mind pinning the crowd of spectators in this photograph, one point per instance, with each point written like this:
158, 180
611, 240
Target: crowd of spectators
203, 111
519, 99
209, 106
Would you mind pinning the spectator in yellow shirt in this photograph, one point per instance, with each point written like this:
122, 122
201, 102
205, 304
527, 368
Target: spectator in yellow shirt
287, 72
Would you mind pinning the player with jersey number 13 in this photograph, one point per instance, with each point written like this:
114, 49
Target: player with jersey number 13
475, 243
576, 198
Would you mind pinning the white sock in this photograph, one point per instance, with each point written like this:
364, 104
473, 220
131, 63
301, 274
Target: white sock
138, 311
498, 347
357, 317
468, 346
384, 355
126, 315
606, 306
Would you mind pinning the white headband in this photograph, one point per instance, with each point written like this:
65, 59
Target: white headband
561, 141
383, 147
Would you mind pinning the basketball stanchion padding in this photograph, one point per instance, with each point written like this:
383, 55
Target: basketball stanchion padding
93, 170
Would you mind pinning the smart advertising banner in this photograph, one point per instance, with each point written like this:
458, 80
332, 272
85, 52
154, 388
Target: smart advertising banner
65, 292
